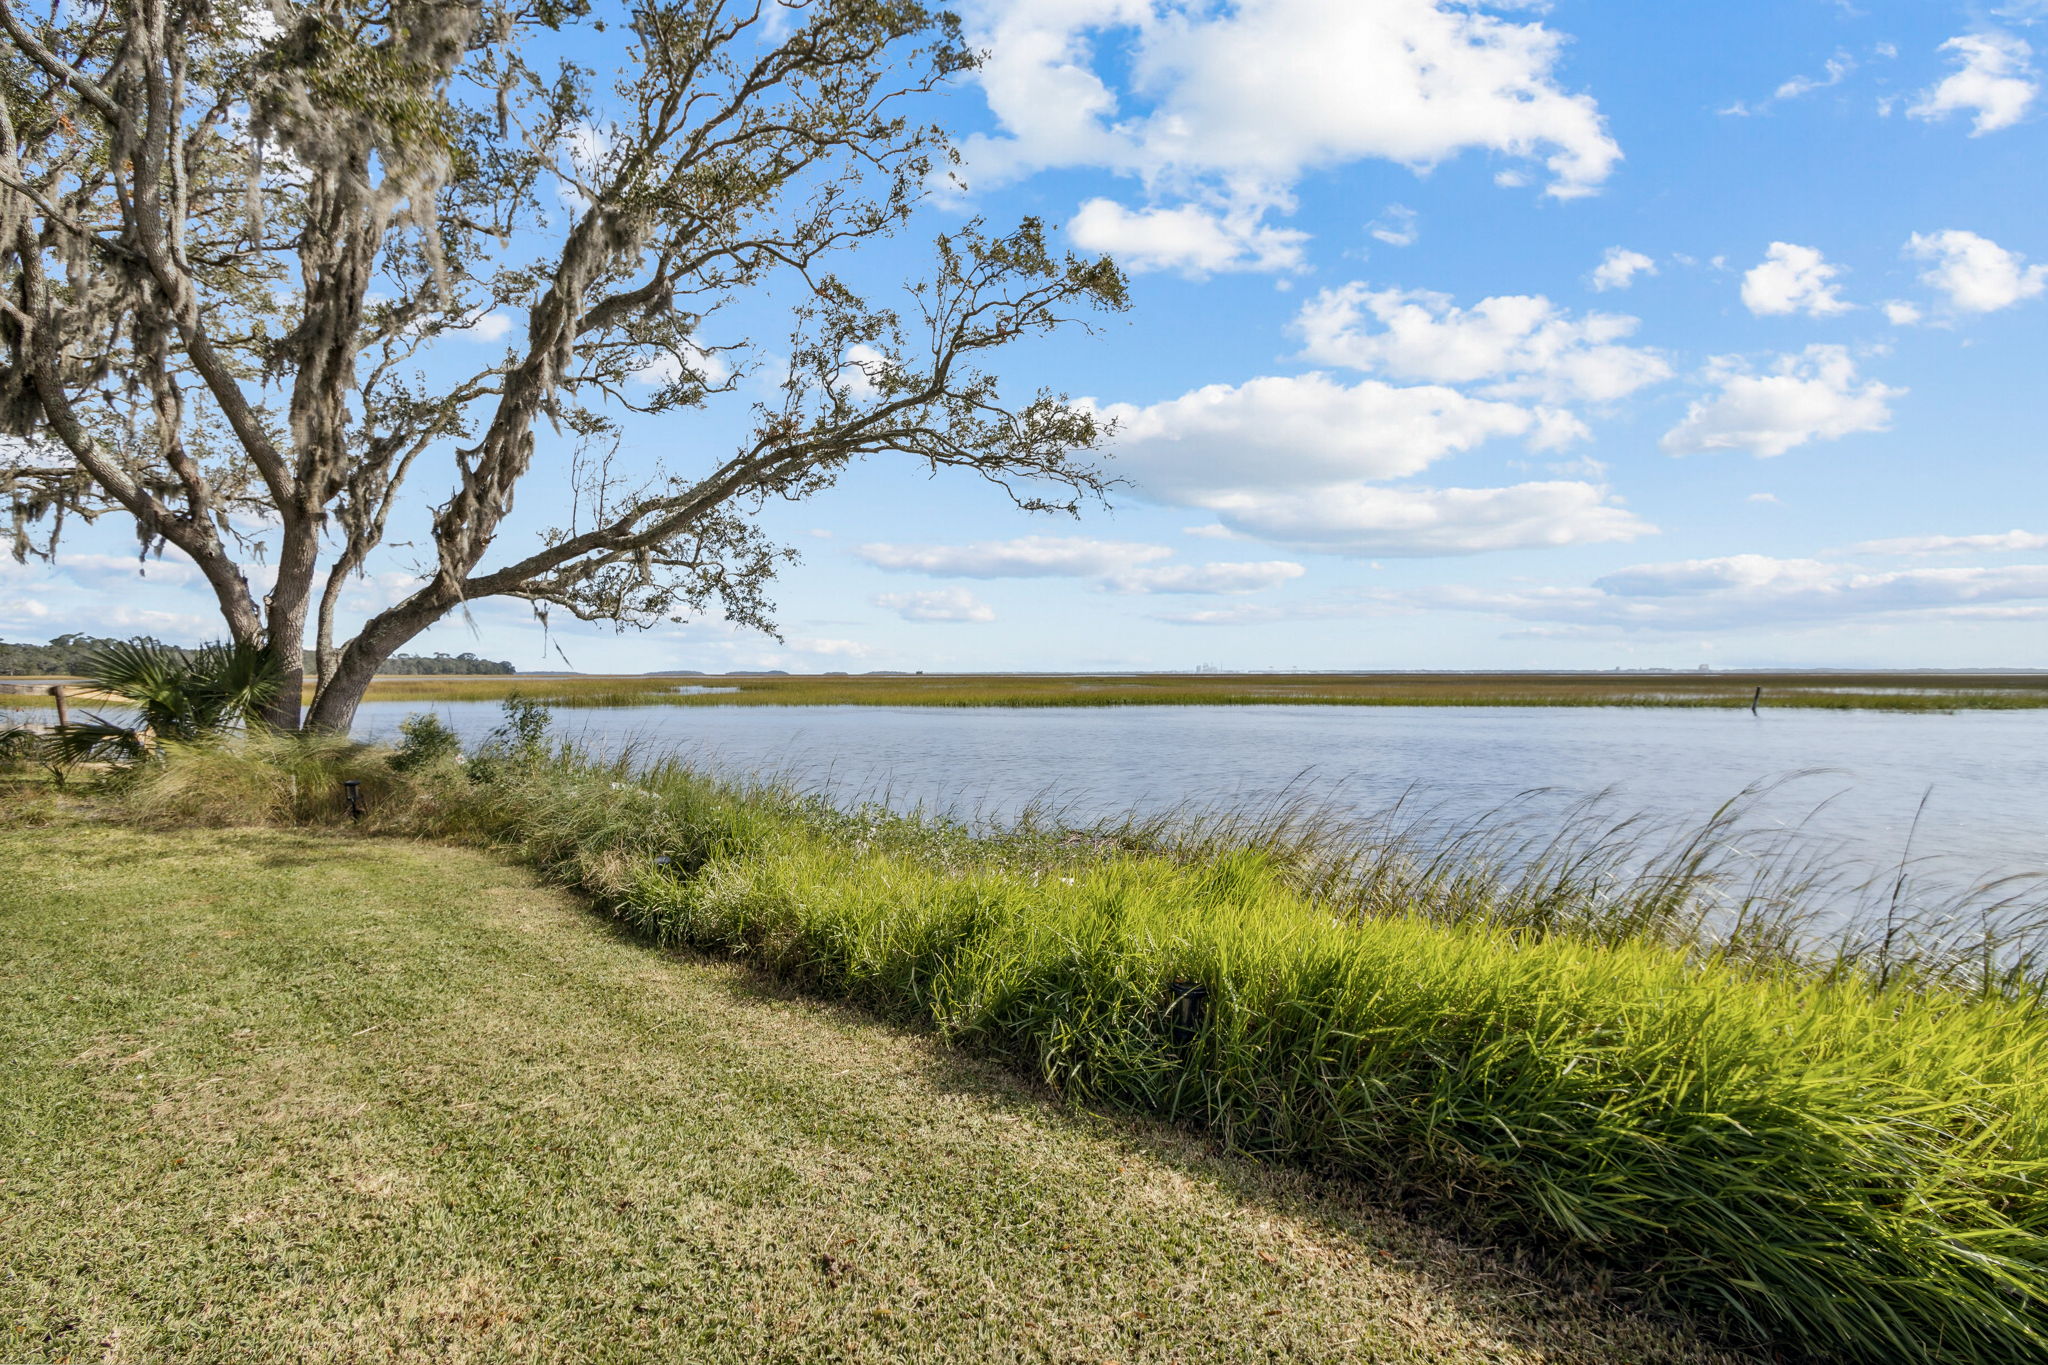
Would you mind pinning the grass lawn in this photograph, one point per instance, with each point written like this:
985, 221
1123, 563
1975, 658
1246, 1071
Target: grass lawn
279, 1096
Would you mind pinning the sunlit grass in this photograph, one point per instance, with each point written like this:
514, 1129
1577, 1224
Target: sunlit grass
1726, 691
276, 1095
1606, 1044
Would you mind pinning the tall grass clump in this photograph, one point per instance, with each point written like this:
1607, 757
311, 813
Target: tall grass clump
1570, 1044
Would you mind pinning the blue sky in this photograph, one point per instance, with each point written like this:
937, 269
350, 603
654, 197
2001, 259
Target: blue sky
1513, 335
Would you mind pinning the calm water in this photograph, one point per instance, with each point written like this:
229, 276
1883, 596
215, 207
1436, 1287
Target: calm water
1984, 776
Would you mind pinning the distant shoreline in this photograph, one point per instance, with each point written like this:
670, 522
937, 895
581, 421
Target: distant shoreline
1934, 691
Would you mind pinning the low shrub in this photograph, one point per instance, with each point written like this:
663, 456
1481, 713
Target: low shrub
425, 741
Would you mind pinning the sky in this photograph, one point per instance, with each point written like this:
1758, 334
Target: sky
1524, 335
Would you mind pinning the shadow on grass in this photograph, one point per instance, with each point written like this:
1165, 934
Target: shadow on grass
1528, 1296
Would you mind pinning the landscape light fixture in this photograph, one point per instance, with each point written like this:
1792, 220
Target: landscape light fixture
353, 800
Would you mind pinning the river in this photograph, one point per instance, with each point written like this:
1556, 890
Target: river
1968, 793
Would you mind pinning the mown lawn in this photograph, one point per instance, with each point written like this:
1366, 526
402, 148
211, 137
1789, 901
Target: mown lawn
273, 1096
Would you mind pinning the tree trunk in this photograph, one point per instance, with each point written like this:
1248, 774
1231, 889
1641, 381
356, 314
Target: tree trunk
334, 705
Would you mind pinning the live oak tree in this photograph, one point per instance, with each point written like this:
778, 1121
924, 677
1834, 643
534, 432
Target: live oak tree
238, 238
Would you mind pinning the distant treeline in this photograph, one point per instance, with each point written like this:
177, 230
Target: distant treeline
68, 654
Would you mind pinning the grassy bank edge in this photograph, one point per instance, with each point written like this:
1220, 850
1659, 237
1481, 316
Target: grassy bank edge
1857, 1173
276, 1094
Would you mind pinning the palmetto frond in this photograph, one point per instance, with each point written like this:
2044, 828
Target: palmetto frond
94, 740
157, 680
178, 695
19, 744
235, 684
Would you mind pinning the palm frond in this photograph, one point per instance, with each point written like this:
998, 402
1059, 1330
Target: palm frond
234, 683
186, 695
94, 740
18, 744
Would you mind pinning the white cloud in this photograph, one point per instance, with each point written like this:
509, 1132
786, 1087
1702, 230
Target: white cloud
17, 612
489, 327
1811, 395
666, 368
1899, 313
1297, 432
1395, 227
830, 648
377, 591
125, 571
865, 365
1941, 545
1793, 279
1237, 103
1122, 566
1024, 557
939, 604
1295, 460
1366, 521
1838, 68
1977, 274
1754, 592
1208, 578
177, 625
1191, 239
1619, 267
1522, 346
1692, 577
1994, 80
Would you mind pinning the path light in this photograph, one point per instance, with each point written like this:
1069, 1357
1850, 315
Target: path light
354, 799
1187, 1002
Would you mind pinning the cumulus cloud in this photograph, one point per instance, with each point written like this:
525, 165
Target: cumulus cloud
1406, 522
1298, 461
1298, 432
1994, 80
1812, 395
1793, 279
938, 604
1518, 346
1191, 239
1024, 557
1976, 274
667, 367
489, 327
1241, 101
1942, 545
1899, 313
1619, 267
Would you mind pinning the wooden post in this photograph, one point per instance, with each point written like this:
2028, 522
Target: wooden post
63, 712
1756, 701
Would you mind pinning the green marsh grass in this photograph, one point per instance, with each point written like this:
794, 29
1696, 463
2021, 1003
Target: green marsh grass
1919, 692
1615, 1044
